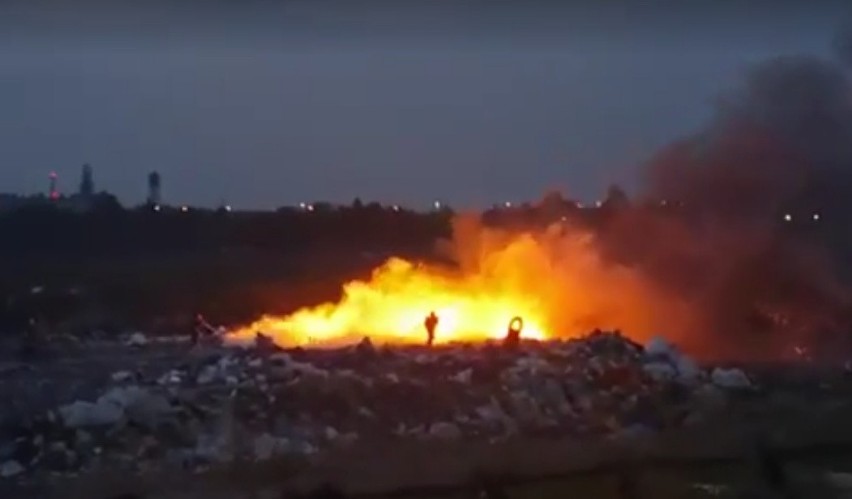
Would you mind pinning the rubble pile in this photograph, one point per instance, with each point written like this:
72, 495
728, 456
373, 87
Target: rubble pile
224, 404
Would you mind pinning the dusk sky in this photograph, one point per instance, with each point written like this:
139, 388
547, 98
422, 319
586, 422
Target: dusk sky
261, 106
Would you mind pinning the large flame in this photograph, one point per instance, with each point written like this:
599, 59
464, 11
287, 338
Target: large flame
393, 304
555, 281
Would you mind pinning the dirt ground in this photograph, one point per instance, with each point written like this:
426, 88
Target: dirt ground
713, 461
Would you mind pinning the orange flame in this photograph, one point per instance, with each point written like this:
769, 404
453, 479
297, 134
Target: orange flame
555, 281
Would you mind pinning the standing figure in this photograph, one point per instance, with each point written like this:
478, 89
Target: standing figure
513, 336
200, 328
431, 323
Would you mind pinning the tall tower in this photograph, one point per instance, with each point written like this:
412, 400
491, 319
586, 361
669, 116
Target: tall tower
154, 188
53, 191
87, 182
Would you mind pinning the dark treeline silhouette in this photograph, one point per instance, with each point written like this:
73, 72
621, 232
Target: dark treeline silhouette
110, 230
116, 267
151, 267
112, 267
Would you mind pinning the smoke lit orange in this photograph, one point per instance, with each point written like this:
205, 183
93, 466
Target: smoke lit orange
555, 281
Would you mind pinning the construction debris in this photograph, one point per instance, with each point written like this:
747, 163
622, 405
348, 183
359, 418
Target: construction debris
258, 403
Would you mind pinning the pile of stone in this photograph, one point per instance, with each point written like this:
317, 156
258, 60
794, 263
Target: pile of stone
256, 403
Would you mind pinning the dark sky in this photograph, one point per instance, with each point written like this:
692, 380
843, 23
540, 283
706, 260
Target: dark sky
263, 105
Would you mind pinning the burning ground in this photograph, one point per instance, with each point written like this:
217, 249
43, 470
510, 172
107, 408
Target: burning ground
555, 280
718, 290
748, 258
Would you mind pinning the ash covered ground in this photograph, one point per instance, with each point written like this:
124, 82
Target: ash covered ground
146, 405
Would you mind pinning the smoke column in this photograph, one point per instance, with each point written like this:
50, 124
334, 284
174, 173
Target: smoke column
780, 144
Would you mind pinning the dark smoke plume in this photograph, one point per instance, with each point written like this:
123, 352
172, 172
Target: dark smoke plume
779, 147
781, 143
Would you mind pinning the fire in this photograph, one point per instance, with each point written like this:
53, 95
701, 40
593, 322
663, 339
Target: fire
393, 304
554, 281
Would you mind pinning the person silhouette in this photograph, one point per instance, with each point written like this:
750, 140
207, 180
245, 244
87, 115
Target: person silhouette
430, 323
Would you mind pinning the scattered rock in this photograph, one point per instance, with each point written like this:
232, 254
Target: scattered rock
122, 376
331, 434
658, 347
445, 431
148, 409
660, 371
11, 469
207, 375
137, 340
82, 414
463, 376
280, 358
688, 371
730, 378
225, 405
173, 377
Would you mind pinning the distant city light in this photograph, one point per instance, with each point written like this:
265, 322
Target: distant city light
310, 207
396, 207
156, 207
303, 206
184, 208
508, 204
53, 192
437, 205
663, 202
598, 203
816, 217
788, 217
228, 208
579, 204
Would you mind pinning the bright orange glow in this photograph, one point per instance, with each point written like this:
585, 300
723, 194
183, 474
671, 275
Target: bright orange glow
393, 305
555, 281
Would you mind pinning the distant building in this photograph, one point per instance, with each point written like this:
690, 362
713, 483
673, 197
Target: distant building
83, 201
154, 189
53, 189
87, 182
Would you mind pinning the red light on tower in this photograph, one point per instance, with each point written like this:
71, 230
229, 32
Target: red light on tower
54, 192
